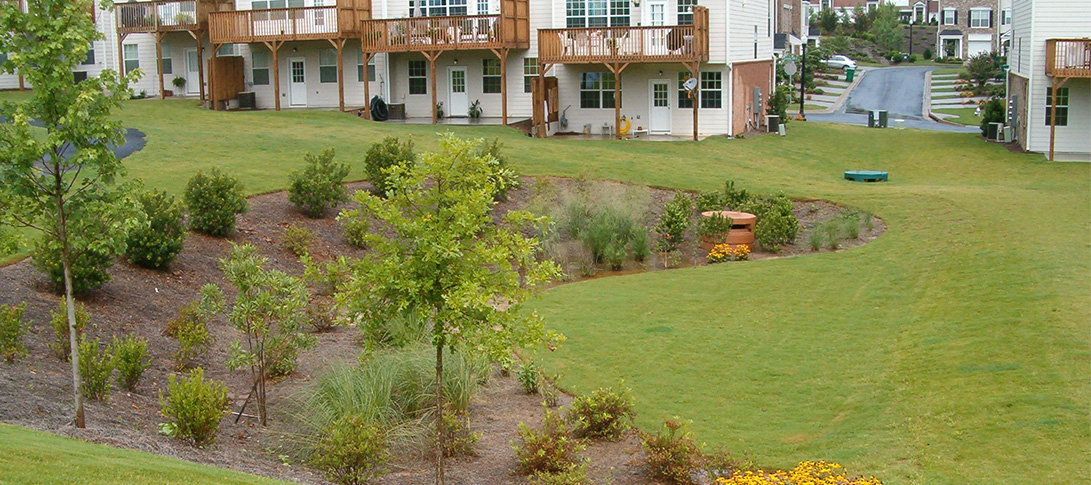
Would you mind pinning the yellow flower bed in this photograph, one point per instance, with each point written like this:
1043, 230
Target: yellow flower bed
806, 473
724, 252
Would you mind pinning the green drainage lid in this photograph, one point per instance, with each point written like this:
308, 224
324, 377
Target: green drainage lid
865, 176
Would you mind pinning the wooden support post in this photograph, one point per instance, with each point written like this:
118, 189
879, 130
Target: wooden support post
695, 71
22, 85
367, 87
432, 56
1053, 113
502, 53
159, 62
616, 69
275, 47
539, 102
212, 77
196, 34
121, 53
339, 44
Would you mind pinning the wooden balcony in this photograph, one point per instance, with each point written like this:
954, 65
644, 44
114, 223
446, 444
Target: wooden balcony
1068, 58
508, 30
289, 24
680, 43
152, 17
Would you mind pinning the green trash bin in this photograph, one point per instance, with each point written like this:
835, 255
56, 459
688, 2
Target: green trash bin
849, 74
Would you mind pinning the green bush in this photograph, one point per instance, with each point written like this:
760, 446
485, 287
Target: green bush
155, 244
12, 330
576, 475
89, 265
355, 226
351, 451
297, 240
913, 58
671, 453
322, 313
459, 439
193, 407
61, 345
716, 226
776, 224
993, 113
604, 414
528, 377
95, 369
190, 327
671, 230
213, 201
319, 186
927, 53
129, 358
778, 102
550, 449
384, 155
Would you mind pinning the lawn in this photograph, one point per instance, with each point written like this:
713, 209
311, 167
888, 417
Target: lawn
965, 116
950, 70
953, 349
28, 456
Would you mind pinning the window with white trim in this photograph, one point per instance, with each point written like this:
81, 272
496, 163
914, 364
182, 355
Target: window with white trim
490, 76
360, 67
685, 11
597, 90
981, 18
950, 16
597, 13
418, 77
1062, 106
437, 8
482, 7
1005, 17
90, 59
168, 64
711, 92
530, 71
260, 69
684, 101
327, 65
273, 4
132, 57
228, 50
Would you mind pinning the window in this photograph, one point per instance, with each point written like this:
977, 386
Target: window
260, 71
597, 13
981, 18
490, 76
1062, 106
1005, 17
436, 8
482, 7
90, 60
597, 90
418, 77
3, 58
684, 101
228, 50
168, 64
327, 65
530, 71
685, 11
360, 67
132, 57
711, 86
950, 16
273, 4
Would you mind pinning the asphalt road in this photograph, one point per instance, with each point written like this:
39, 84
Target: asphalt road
898, 90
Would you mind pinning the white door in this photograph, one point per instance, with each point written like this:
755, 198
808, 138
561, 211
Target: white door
193, 74
297, 82
657, 17
458, 102
659, 120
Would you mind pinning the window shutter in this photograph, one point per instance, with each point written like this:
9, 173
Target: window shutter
956, 17
990, 19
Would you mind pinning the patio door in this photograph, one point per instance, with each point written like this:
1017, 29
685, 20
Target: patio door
657, 17
659, 120
193, 74
458, 102
297, 82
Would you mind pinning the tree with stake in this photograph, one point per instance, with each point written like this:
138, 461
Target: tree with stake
439, 253
60, 183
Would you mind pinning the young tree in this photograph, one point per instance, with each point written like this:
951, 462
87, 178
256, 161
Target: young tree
861, 19
886, 29
828, 21
60, 181
983, 68
441, 254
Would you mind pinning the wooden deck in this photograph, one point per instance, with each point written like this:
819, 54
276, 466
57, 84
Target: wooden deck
605, 45
152, 17
508, 30
289, 24
1068, 58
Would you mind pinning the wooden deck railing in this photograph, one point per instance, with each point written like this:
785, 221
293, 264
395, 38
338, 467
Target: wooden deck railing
284, 24
681, 43
432, 33
1068, 57
160, 16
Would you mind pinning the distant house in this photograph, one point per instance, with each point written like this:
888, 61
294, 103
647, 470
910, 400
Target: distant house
967, 27
1049, 77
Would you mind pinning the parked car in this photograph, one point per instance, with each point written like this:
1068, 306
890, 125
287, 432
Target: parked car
839, 62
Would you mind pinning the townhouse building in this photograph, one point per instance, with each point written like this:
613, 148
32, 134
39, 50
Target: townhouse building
1049, 78
968, 28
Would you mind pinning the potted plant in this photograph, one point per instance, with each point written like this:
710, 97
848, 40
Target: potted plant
475, 110
183, 19
714, 229
179, 82
439, 109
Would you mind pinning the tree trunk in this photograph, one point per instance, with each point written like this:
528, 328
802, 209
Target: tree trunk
440, 438
70, 306
261, 382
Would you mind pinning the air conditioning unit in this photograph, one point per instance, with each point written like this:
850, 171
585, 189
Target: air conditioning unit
1005, 135
995, 131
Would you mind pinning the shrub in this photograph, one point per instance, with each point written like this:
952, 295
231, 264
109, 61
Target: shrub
927, 53
459, 439
993, 113
355, 226
815, 239
576, 475
384, 155
61, 345
190, 327
912, 58
155, 244
193, 342
672, 454
296, 240
983, 67
528, 376
193, 407
736, 198
506, 178
604, 414
322, 313
319, 186
351, 451
671, 230
129, 354
550, 449
715, 226
776, 224
213, 201
711, 200
12, 347
89, 264
95, 369
778, 102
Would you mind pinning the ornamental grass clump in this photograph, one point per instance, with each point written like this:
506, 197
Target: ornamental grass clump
12, 330
606, 413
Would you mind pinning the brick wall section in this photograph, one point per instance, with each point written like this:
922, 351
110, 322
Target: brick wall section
790, 20
963, 8
1017, 86
744, 77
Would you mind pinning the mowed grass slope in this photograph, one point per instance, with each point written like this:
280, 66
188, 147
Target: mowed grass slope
953, 349
28, 456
